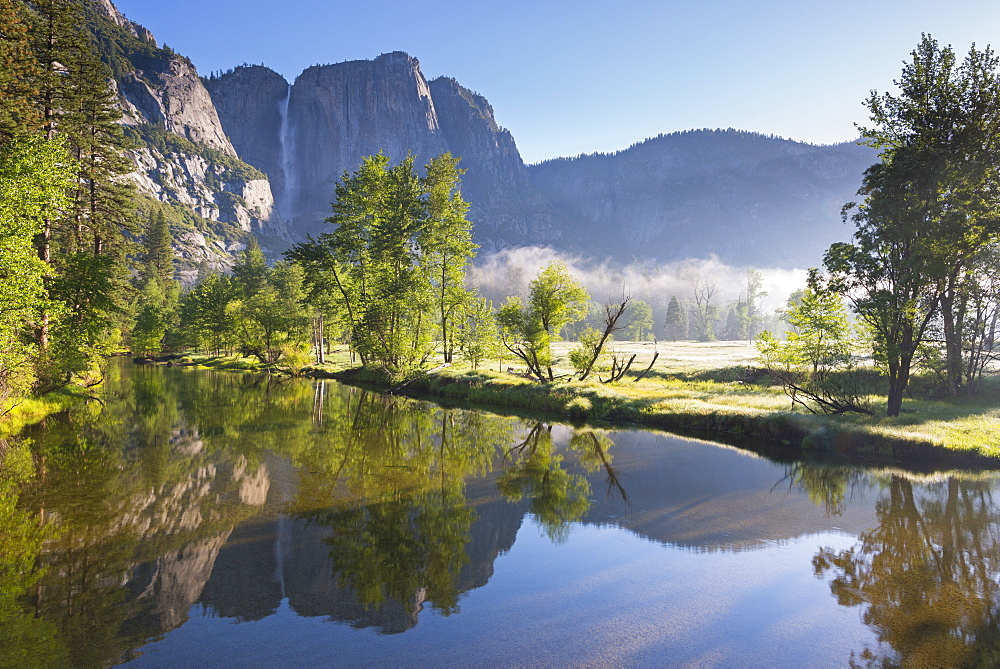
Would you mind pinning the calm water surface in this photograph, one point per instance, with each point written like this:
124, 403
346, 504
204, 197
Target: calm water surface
201, 518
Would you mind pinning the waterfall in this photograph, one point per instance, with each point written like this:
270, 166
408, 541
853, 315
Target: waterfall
286, 137
281, 552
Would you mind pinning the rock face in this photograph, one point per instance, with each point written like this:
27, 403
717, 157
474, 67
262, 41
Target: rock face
185, 159
505, 206
335, 115
250, 100
170, 93
745, 197
338, 114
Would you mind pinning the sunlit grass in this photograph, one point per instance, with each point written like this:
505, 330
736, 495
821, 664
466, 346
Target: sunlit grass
33, 409
713, 387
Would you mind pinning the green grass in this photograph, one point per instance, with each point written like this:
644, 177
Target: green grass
708, 388
34, 409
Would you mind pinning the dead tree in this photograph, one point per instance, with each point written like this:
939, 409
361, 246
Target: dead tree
612, 313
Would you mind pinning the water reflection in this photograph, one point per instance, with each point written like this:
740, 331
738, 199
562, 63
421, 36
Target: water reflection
192, 494
926, 576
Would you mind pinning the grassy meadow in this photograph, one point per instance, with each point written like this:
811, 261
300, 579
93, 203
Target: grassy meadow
705, 388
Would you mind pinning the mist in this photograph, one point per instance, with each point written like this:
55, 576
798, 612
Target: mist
508, 272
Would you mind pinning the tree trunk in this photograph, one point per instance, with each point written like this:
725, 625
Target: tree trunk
952, 323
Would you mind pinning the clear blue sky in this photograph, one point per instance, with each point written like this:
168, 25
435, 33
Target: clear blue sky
578, 76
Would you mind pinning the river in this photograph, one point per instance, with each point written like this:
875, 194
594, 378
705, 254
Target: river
206, 518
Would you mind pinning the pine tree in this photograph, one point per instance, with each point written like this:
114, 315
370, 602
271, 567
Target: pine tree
675, 323
87, 249
19, 73
251, 272
159, 253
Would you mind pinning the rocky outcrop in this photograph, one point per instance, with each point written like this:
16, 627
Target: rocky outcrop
107, 9
169, 93
185, 159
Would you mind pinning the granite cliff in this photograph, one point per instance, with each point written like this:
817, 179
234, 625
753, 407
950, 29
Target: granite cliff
185, 165
305, 136
246, 152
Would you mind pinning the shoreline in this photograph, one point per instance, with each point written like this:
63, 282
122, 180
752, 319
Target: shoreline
772, 430
787, 431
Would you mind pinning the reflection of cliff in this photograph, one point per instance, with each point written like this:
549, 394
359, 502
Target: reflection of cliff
132, 564
684, 493
493, 532
173, 583
247, 581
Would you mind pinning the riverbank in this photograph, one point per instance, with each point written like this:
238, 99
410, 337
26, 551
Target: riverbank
697, 398
35, 409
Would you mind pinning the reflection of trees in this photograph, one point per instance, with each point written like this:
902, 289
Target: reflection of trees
926, 577
409, 549
827, 486
26, 640
593, 448
132, 493
558, 498
386, 474
373, 446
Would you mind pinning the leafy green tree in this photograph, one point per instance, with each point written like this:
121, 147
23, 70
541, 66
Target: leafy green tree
822, 333
155, 315
930, 206
446, 245
478, 335
397, 258
35, 175
814, 364
640, 324
272, 322
675, 324
938, 141
982, 318
204, 320
556, 299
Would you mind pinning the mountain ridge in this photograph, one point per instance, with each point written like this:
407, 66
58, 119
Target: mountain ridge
745, 197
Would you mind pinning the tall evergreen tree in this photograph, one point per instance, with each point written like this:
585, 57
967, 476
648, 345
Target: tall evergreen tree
87, 249
675, 323
19, 73
158, 246
250, 272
